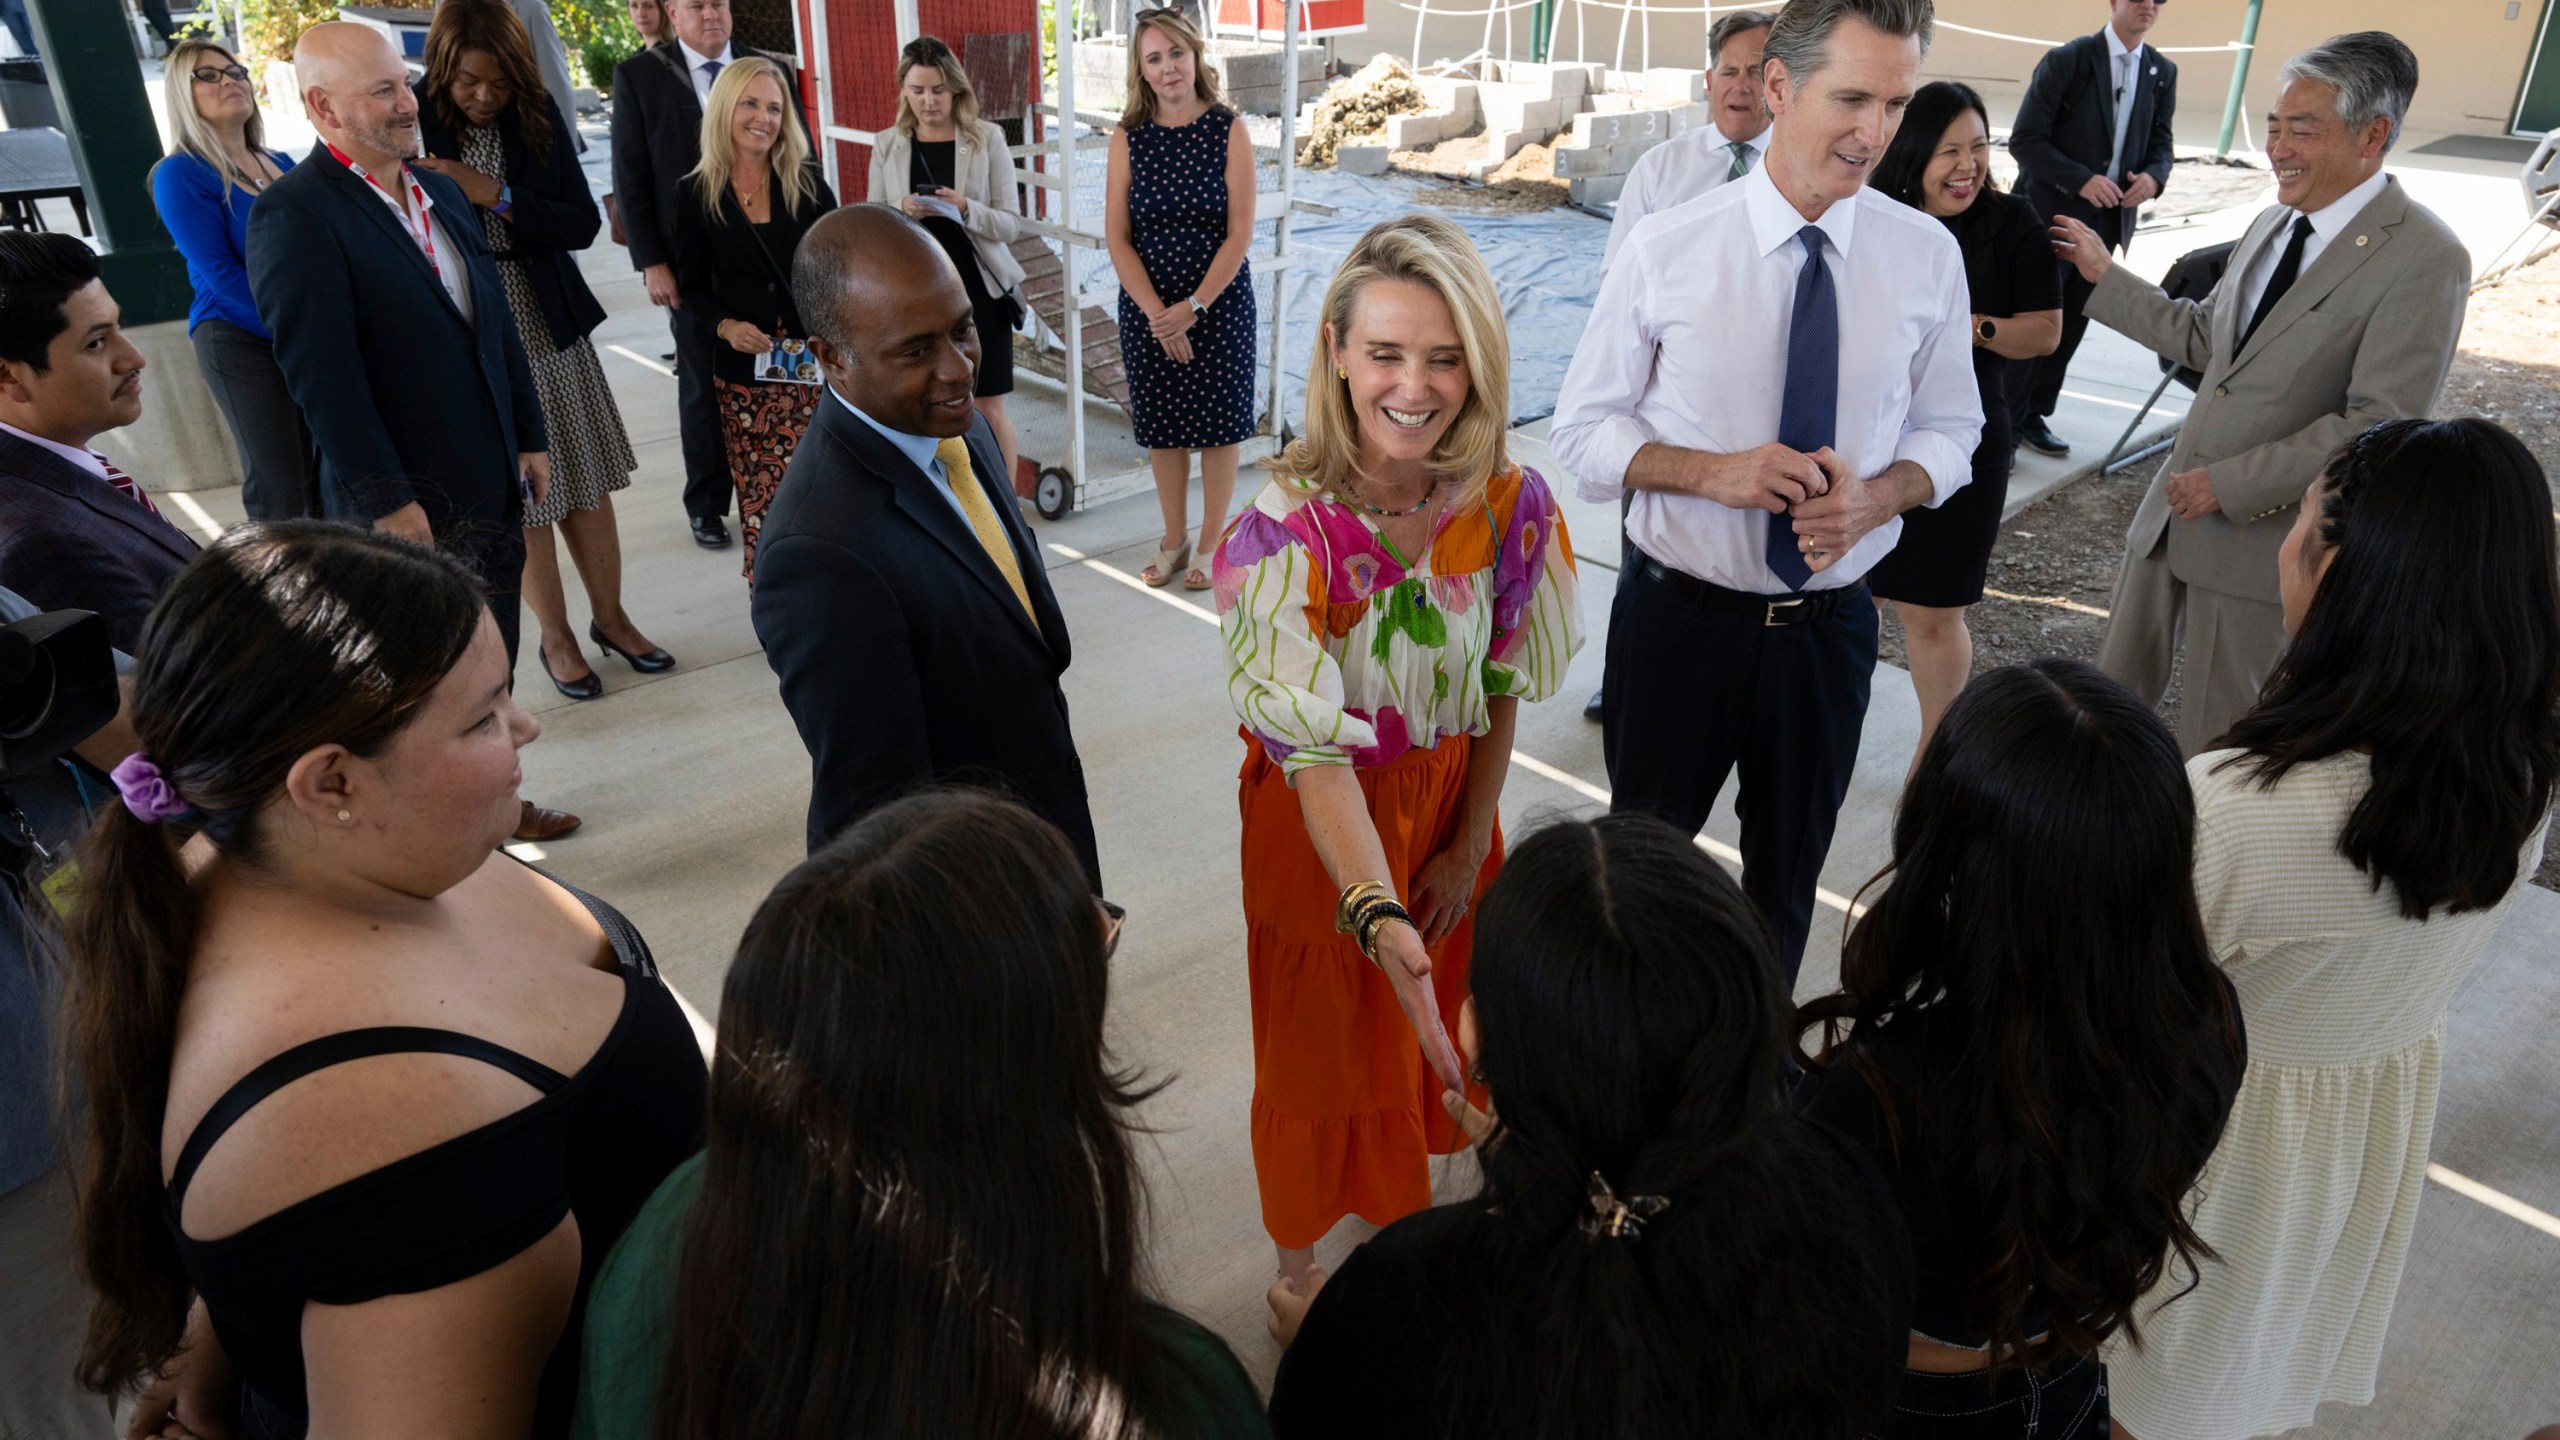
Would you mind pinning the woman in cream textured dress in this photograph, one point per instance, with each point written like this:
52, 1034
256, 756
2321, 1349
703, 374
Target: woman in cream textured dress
2357, 844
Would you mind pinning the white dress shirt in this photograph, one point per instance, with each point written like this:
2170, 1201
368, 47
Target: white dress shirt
1687, 346
2327, 223
451, 268
89, 460
1675, 172
694, 60
2124, 74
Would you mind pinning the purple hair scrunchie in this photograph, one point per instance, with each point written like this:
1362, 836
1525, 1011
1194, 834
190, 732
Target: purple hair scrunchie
147, 792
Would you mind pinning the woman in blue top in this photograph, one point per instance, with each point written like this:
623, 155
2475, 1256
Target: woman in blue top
217, 167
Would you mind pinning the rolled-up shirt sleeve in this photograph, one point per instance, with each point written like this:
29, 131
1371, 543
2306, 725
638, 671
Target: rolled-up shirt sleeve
1944, 423
1596, 433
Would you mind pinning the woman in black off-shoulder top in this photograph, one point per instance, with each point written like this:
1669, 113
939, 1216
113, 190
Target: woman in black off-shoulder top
413, 1089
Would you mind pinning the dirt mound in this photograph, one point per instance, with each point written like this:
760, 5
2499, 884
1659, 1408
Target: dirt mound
1356, 107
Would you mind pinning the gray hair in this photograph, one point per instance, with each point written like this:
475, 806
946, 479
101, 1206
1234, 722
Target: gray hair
1800, 39
1739, 22
2373, 73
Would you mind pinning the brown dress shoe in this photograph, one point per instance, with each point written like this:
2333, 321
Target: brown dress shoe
537, 823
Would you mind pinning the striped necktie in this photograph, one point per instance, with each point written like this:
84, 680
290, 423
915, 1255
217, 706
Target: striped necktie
954, 455
1741, 160
124, 483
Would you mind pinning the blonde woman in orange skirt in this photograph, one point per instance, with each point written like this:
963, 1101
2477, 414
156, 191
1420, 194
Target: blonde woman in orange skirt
1389, 599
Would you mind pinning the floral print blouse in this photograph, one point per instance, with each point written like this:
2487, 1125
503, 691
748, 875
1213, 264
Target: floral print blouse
1345, 653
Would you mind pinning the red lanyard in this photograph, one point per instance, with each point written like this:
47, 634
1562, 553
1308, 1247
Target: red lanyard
418, 206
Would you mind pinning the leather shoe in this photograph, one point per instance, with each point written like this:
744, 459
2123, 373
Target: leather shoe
585, 687
2039, 437
538, 823
647, 662
1597, 707
710, 533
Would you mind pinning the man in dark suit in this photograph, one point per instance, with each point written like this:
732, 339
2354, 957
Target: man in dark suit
76, 533
658, 97
898, 594
394, 335
2094, 144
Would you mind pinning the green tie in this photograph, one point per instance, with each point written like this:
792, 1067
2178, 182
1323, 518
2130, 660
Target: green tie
1741, 160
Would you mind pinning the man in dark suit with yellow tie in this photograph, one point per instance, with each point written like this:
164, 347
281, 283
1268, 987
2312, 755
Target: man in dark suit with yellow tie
898, 593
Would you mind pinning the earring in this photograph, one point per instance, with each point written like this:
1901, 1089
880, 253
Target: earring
344, 817
1341, 374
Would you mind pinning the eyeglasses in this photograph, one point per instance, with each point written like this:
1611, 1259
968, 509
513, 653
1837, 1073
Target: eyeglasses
216, 74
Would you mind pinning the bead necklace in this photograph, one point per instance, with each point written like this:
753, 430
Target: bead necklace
1352, 498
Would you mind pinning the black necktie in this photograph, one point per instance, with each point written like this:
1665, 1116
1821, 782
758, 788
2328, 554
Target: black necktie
2288, 266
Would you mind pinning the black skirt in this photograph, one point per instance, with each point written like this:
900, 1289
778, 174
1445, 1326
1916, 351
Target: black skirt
1944, 553
994, 313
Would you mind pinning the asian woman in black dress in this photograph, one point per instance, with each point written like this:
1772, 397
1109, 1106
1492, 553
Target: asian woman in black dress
1940, 162
939, 157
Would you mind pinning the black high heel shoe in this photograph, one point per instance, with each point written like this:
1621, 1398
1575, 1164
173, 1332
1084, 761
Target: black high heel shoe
586, 689
648, 664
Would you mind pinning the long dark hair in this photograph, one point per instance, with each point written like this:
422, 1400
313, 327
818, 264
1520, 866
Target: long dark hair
2433, 645
919, 1212
493, 27
276, 640
2038, 927
1632, 1018
1933, 108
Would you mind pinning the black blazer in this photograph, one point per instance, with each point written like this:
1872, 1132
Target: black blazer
2066, 130
71, 541
406, 401
553, 216
657, 140
904, 658
727, 270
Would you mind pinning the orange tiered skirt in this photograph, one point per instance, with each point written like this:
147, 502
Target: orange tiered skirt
1346, 1112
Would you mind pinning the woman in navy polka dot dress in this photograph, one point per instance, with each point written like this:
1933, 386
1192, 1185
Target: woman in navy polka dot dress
1179, 214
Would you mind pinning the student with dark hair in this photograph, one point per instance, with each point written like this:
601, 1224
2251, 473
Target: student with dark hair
368, 1101
918, 1215
2031, 1038
1940, 164
1659, 1249
75, 531
2359, 836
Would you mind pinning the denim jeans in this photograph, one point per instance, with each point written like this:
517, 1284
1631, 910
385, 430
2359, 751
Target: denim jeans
2068, 1402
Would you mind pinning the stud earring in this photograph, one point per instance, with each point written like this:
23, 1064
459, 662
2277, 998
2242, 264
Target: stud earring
1341, 374
344, 817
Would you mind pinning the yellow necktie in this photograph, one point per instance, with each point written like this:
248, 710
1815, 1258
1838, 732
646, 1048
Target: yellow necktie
954, 455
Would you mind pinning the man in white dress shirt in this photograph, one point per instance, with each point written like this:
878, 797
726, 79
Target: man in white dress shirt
1687, 166
2340, 310
1778, 369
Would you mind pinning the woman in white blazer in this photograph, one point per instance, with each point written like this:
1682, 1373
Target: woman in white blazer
953, 174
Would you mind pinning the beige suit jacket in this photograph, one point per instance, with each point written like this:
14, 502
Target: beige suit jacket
985, 163
2365, 335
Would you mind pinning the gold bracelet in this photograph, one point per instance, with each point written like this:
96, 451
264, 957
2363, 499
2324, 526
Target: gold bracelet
1346, 910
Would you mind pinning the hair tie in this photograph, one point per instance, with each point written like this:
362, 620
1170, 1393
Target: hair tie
147, 792
1619, 1219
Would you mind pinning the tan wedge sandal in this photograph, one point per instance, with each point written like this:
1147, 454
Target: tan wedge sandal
1168, 563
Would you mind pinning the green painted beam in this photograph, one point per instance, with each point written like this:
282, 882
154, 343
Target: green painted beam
2239, 76
97, 85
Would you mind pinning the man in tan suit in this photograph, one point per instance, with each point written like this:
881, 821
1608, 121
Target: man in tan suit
2340, 310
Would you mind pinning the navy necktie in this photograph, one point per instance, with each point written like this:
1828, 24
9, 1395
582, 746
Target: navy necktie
1809, 415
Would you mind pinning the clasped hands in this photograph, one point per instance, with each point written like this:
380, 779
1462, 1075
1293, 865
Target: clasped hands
1171, 325
1832, 507
2106, 194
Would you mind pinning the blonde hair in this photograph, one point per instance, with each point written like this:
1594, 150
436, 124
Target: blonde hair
927, 50
789, 159
1428, 250
1140, 106
192, 134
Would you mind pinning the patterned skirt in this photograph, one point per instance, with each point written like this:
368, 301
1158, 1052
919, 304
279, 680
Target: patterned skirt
760, 425
590, 452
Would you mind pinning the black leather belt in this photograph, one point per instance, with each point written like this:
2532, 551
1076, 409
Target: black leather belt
1767, 609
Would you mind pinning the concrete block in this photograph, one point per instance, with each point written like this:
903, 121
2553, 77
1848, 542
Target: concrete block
1550, 81
1361, 159
1501, 145
1686, 119
1514, 107
1574, 161
1445, 93
1596, 190
1675, 87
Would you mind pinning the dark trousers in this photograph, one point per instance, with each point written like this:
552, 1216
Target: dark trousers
1696, 693
155, 13
2069, 1403
2035, 386
282, 471
707, 488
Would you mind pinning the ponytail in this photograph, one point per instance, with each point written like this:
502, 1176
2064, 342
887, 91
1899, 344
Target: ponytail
130, 930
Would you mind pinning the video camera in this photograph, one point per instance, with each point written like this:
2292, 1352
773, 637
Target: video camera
57, 687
